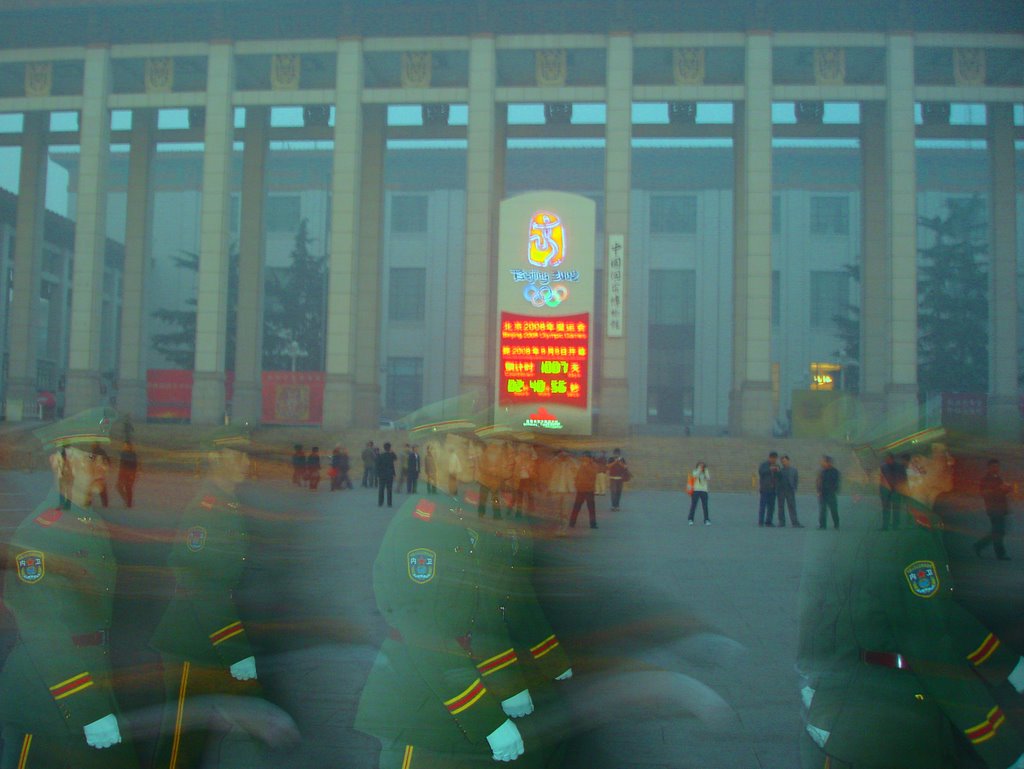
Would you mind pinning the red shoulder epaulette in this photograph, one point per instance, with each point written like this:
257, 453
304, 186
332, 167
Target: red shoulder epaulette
208, 502
424, 510
49, 517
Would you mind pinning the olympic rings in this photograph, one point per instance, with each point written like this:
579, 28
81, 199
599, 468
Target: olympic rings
552, 295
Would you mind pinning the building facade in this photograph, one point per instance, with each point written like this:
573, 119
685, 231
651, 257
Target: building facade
767, 175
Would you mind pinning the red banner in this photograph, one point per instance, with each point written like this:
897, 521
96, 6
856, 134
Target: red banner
168, 394
293, 397
544, 360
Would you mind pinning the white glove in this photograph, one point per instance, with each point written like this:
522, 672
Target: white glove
506, 742
1016, 678
103, 732
1019, 763
565, 676
244, 670
807, 696
518, 705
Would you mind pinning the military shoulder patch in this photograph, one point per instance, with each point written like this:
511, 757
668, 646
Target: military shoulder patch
424, 510
923, 578
195, 538
422, 565
49, 517
31, 566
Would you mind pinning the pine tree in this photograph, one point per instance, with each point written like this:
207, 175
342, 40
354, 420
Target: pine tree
179, 345
952, 287
294, 299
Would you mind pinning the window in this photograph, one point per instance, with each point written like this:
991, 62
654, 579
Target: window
830, 215
407, 293
830, 294
673, 214
409, 213
283, 213
404, 385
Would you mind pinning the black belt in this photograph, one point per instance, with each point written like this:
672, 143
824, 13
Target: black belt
99, 638
885, 660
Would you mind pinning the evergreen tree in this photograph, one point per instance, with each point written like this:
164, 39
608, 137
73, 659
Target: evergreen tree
952, 287
179, 344
847, 322
294, 308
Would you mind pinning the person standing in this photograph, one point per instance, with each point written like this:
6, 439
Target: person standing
58, 706
586, 480
828, 491
385, 474
369, 457
618, 474
403, 467
700, 476
298, 465
201, 638
412, 471
996, 492
127, 468
788, 481
891, 477
313, 466
454, 471
767, 480
430, 468
335, 469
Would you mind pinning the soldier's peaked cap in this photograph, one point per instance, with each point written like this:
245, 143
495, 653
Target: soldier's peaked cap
83, 429
235, 436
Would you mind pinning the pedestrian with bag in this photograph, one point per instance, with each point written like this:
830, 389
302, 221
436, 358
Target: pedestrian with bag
618, 474
697, 488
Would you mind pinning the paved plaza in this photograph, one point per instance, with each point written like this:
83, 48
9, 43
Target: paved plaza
683, 639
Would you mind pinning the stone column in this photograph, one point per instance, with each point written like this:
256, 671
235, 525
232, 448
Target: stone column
85, 337
614, 404
1004, 401
481, 225
366, 395
874, 267
751, 409
22, 334
247, 401
343, 296
131, 386
212, 301
901, 188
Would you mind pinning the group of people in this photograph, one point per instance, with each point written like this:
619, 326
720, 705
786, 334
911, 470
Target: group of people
60, 703
306, 468
778, 480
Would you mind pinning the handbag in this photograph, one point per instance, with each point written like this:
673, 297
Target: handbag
626, 475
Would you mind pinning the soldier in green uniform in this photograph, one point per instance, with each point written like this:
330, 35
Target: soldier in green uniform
201, 638
897, 674
57, 703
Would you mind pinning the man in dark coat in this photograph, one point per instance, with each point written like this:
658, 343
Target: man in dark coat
412, 470
767, 480
385, 474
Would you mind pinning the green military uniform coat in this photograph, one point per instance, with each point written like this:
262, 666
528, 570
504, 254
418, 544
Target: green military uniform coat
883, 594
440, 676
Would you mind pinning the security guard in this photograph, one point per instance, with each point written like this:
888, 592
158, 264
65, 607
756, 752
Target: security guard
897, 674
57, 703
201, 638
446, 681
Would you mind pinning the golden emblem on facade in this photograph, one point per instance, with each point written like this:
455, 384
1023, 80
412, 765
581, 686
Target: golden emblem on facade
38, 78
160, 75
829, 66
969, 66
285, 69
417, 69
546, 239
688, 66
552, 67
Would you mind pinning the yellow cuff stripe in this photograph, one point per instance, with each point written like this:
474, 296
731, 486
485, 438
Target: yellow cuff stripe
544, 646
407, 760
26, 745
71, 686
986, 650
986, 730
467, 698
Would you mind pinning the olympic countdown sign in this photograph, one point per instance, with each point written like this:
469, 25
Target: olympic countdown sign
545, 311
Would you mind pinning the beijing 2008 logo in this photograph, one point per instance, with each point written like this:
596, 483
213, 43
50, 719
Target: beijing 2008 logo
546, 248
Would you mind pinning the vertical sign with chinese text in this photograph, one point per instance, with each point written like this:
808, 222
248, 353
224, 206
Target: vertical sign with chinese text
616, 284
545, 310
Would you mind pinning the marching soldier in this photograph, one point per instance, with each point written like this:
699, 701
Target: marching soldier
446, 682
57, 703
897, 674
201, 638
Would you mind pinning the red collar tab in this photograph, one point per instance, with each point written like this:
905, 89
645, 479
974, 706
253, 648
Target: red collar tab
49, 517
424, 510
